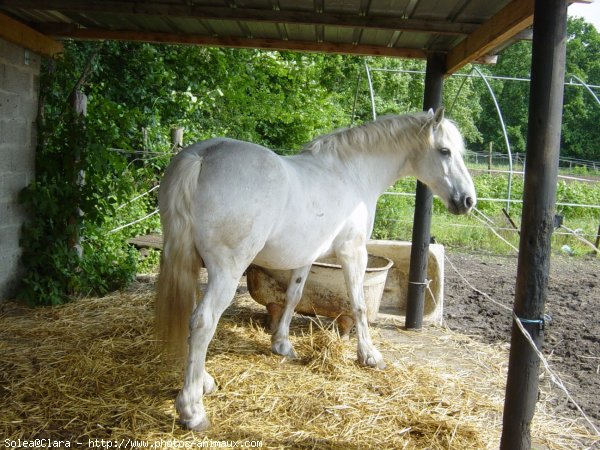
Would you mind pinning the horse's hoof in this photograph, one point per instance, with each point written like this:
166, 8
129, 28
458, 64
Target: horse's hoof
371, 358
191, 410
373, 362
200, 425
284, 348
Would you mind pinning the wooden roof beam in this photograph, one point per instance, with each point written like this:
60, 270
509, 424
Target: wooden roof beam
17, 33
245, 14
512, 19
235, 42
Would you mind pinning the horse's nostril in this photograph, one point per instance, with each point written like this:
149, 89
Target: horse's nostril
469, 202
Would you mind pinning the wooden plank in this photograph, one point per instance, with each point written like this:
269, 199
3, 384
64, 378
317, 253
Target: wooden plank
512, 19
148, 241
237, 42
17, 33
246, 14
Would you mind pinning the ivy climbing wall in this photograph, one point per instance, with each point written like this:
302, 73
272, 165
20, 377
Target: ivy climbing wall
19, 86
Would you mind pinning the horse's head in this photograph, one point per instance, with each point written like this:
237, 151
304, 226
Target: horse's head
441, 167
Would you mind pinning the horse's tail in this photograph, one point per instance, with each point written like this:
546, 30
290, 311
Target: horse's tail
177, 285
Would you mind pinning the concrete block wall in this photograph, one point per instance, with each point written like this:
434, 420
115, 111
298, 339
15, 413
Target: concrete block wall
19, 90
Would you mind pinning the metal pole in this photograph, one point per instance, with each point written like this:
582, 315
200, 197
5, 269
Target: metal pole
543, 142
371, 93
504, 132
419, 255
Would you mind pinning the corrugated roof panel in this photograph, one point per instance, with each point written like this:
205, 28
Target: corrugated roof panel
191, 26
376, 37
223, 3
478, 11
121, 22
301, 32
338, 35
351, 23
383, 7
342, 6
291, 5
225, 28
254, 4
412, 40
30, 15
263, 30
433, 9
443, 43
146, 23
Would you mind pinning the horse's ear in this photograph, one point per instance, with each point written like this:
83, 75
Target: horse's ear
430, 112
438, 116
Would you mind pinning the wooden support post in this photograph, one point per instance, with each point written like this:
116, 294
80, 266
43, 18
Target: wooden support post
490, 158
419, 255
543, 141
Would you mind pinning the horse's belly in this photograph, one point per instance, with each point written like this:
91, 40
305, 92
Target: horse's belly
292, 256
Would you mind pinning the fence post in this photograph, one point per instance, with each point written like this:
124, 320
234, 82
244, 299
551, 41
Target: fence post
177, 138
490, 158
598, 238
419, 254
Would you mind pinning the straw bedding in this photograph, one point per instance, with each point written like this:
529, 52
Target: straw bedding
90, 370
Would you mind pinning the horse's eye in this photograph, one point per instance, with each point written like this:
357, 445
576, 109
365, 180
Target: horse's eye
444, 151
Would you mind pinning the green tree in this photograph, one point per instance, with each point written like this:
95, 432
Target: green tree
581, 114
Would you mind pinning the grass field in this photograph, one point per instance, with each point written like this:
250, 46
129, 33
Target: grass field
396, 208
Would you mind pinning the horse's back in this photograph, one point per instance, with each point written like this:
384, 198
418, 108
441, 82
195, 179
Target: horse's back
240, 193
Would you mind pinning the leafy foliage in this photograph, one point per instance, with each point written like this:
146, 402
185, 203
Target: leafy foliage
581, 113
138, 92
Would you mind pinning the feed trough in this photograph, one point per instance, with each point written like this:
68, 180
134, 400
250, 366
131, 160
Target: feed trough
325, 291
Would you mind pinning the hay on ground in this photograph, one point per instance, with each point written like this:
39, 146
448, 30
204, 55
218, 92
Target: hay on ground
90, 370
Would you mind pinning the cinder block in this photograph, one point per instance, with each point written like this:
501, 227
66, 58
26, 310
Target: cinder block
14, 131
11, 214
19, 90
11, 53
9, 238
15, 79
10, 272
10, 105
11, 183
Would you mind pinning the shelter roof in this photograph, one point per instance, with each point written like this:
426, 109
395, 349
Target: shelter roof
464, 30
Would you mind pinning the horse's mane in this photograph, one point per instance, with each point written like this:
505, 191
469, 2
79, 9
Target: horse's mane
402, 130
364, 136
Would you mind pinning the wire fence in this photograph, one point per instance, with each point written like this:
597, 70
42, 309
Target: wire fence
553, 375
518, 159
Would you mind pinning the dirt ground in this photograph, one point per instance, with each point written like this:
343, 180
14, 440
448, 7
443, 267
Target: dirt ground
572, 336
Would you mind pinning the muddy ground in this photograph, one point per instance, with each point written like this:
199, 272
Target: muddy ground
572, 337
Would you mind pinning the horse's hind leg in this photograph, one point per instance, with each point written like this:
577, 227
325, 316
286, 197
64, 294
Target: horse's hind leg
203, 323
354, 263
280, 341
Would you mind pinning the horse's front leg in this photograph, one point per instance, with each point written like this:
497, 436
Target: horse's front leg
280, 341
353, 259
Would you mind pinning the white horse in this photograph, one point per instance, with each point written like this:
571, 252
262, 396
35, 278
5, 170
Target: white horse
226, 204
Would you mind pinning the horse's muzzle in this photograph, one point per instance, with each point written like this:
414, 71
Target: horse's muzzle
462, 204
